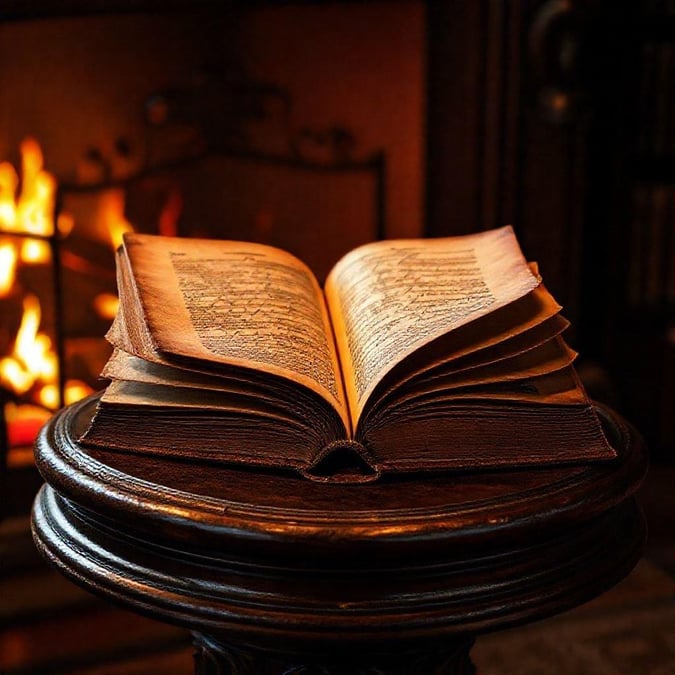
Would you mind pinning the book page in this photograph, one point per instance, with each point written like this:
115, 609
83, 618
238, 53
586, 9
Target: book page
523, 368
236, 303
125, 367
389, 298
560, 387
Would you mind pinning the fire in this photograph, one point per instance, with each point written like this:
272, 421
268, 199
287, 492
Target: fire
115, 224
7, 267
48, 395
113, 219
9, 182
32, 211
33, 363
35, 207
33, 359
31, 369
106, 305
34, 251
27, 212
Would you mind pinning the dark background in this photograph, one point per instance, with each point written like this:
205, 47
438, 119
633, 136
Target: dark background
320, 125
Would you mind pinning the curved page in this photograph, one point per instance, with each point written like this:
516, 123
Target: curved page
389, 298
237, 303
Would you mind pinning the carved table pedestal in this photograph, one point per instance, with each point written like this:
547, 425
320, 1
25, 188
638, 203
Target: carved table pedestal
277, 574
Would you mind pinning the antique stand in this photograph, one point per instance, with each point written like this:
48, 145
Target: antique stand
277, 574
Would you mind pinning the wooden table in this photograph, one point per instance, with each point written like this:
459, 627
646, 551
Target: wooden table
277, 574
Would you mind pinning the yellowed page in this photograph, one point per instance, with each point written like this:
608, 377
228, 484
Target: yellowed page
545, 359
235, 303
560, 387
389, 298
125, 367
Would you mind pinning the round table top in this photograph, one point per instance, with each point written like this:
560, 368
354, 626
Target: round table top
267, 554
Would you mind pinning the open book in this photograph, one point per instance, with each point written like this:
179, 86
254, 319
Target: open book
418, 355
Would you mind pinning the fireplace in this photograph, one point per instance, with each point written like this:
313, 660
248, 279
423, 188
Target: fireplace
271, 124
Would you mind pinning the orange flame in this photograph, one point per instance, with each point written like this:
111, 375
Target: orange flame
33, 359
8, 185
113, 219
106, 305
7, 267
115, 224
29, 212
35, 206
33, 362
27, 208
